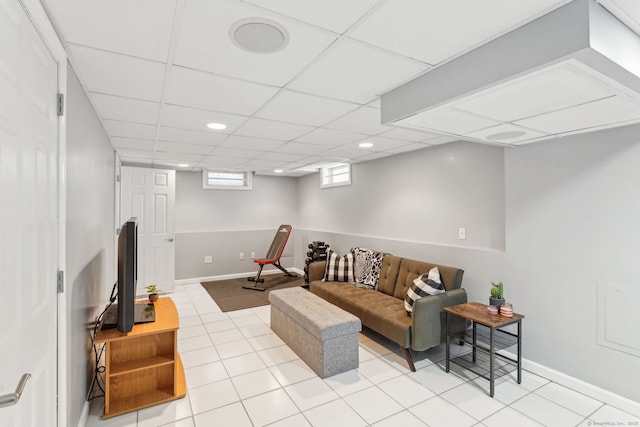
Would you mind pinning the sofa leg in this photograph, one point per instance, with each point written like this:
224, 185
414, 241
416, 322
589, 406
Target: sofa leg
407, 355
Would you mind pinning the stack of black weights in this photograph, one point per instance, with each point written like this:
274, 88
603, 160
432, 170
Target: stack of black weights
318, 252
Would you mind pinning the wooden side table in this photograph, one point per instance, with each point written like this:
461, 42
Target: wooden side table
477, 314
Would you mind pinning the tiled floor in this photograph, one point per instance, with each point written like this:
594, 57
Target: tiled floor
239, 373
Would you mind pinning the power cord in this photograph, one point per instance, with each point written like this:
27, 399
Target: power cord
98, 351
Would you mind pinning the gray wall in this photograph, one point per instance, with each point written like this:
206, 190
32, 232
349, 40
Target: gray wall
90, 236
223, 223
566, 220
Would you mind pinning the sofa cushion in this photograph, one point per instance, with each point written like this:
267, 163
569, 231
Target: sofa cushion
366, 267
339, 268
427, 284
389, 274
410, 269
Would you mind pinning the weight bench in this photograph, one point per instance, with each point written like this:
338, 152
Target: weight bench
272, 258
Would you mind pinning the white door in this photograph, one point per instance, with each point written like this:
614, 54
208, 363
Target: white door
149, 195
28, 214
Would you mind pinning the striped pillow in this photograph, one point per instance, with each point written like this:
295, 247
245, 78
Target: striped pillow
427, 284
339, 269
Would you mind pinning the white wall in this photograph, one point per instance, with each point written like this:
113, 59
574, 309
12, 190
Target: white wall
90, 236
573, 206
223, 223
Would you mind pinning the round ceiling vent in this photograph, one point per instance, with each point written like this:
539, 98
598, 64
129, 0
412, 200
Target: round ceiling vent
259, 35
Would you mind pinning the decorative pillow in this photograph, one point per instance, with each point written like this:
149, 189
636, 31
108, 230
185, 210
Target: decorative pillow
427, 284
339, 269
366, 267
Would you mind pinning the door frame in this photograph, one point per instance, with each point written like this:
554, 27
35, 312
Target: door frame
44, 27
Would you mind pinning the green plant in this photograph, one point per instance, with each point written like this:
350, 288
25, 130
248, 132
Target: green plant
497, 290
152, 289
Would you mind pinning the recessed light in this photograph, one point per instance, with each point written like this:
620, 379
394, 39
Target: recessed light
505, 135
216, 126
278, 171
365, 145
183, 165
259, 35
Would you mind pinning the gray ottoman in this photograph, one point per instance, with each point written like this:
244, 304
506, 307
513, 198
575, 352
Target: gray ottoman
323, 335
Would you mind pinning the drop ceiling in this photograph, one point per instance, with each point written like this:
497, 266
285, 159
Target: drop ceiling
157, 71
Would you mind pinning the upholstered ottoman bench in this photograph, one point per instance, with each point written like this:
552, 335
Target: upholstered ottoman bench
323, 335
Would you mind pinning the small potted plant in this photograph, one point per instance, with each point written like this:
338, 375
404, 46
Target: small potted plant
153, 292
497, 295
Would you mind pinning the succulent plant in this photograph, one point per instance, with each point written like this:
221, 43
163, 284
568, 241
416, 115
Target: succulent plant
497, 291
152, 289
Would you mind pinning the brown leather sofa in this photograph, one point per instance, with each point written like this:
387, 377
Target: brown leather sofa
383, 311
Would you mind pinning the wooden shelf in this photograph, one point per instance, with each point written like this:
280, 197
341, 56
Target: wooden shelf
143, 367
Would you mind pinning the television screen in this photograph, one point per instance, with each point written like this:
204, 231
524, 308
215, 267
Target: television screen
127, 274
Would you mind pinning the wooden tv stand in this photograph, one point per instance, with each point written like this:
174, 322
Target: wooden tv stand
143, 367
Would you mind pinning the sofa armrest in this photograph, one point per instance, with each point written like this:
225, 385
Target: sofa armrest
316, 270
427, 321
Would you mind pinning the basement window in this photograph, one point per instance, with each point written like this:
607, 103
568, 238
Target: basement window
335, 175
214, 179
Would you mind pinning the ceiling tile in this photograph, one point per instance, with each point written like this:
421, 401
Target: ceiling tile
135, 154
179, 147
178, 157
507, 134
196, 119
236, 141
129, 130
216, 162
449, 120
330, 137
209, 138
408, 134
334, 15
235, 152
382, 144
115, 74
204, 39
406, 148
432, 30
259, 128
138, 28
554, 88
285, 157
304, 109
125, 109
597, 114
298, 148
355, 72
364, 120
200, 89
132, 144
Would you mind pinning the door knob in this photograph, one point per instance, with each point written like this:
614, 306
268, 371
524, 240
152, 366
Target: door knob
12, 398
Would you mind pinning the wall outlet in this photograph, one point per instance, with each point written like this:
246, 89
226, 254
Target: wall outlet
462, 233
241, 255
208, 259
253, 255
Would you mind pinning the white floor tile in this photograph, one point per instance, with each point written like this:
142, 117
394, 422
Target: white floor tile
230, 415
198, 357
270, 407
506, 392
406, 391
546, 412
165, 413
509, 417
372, 404
250, 319
577, 402
194, 343
219, 326
205, 374
473, 400
243, 364
191, 331
377, 370
233, 349
212, 396
255, 383
334, 414
297, 420
437, 412
436, 379
96, 411
264, 342
608, 415
255, 330
348, 382
224, 337
404, 419
214, 317
364, 354
187, 422
310, 393
530, 381
277, 355
190, 321
292, 372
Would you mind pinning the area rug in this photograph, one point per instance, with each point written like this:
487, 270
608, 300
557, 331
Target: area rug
230, 294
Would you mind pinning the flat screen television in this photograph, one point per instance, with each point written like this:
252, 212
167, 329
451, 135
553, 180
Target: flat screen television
127, 274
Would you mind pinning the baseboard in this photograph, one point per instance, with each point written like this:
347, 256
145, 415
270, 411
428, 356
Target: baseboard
84, 415
234, 276
606, 396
